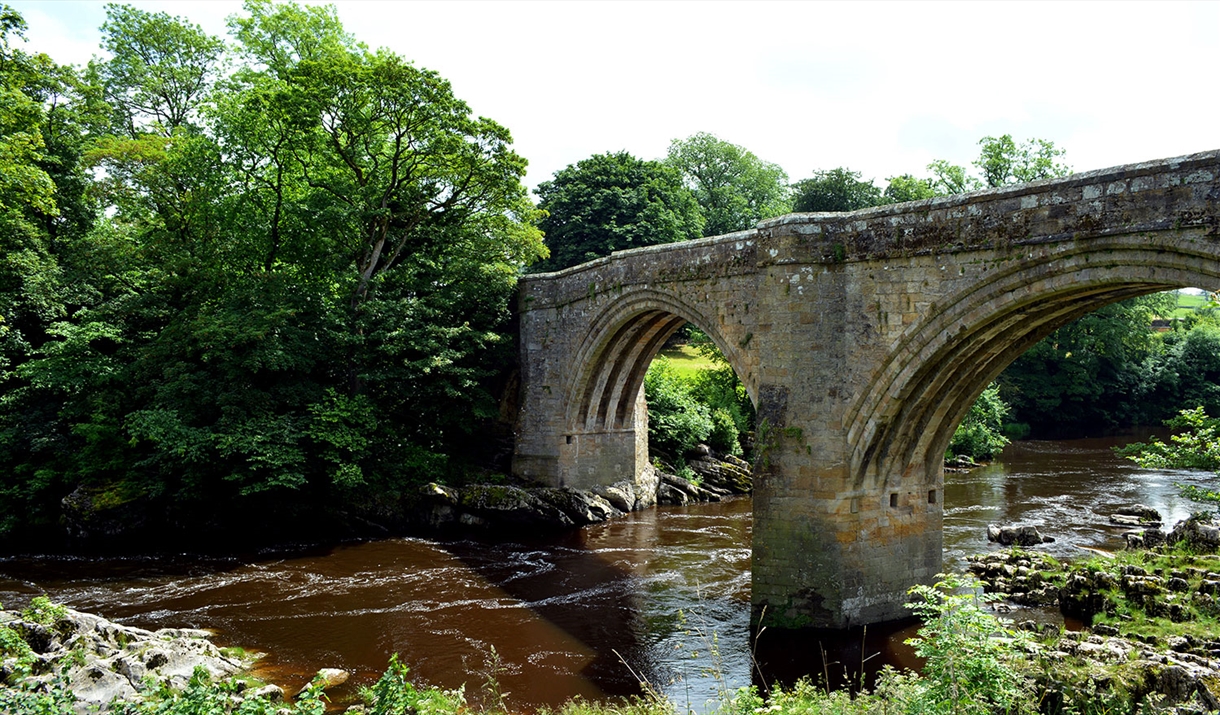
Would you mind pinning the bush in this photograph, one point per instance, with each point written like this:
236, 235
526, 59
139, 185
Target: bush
1196, 447
980, 436
676, 420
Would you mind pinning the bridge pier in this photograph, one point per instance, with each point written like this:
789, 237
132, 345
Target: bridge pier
863, 339
829, 553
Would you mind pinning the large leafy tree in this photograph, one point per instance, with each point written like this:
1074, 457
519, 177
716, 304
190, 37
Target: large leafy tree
302, 283
735, 189
610, 202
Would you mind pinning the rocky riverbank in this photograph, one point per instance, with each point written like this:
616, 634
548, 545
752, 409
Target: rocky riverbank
1149, 615
494, 506
54, 659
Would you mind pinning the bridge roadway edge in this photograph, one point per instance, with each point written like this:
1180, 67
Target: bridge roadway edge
862, 337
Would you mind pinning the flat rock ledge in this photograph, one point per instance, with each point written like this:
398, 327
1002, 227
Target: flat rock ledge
493, 506
101, 661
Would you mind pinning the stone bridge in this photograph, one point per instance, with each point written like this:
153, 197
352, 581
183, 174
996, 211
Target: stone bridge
862, 338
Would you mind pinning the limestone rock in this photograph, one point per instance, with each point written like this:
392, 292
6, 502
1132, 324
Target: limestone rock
102, 661
273, 693
331, 677
1145, 513
1202, 534
581, 507
620, 494
733, 477
501, 504
91, 513
1016, 535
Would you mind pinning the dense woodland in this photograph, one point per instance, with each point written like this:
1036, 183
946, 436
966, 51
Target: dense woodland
253, 277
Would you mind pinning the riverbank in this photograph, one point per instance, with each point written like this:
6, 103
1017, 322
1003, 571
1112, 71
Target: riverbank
96, 522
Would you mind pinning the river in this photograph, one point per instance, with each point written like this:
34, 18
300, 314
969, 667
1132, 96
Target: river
662, 595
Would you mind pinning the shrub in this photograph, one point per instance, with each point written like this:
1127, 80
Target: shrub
980, 436
676, 420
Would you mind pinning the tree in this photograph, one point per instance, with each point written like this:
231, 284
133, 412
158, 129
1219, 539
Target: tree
906, 187
1195, 446
611, 202
735, 189
1087, 376
301, 287
835, 190
980, 436
159, 71
950, 179
1003, 162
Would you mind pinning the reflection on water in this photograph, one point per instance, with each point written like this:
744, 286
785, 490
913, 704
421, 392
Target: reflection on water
662, 595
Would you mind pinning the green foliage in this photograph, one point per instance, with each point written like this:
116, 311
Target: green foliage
835, 190
906, 187
677, 421
735, 189
42, 610
1196, 446
1096, 373
950, 179
980, 436
301, 286
203, 695
965, 670
394, 694
612, 202
28, 698
1003, 162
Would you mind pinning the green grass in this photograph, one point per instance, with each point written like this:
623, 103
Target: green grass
687, 360
1188, 303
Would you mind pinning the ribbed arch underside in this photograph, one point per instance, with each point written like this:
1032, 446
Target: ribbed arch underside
938, 370
620, 345
609, 397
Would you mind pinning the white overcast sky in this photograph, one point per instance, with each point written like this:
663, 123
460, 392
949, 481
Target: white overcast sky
882, 88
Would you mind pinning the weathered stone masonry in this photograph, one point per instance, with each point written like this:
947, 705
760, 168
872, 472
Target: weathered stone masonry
862, 338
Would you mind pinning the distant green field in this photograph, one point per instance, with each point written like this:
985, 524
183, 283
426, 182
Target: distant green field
1189, 303
687, 360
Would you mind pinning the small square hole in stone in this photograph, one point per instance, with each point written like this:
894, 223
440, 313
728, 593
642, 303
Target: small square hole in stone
893, 500
932, 496
569, 439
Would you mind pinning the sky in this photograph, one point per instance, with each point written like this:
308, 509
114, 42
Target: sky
881, 88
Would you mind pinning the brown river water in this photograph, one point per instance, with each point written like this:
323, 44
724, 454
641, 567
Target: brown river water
662, 595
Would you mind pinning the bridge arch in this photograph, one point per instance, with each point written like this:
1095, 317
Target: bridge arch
605, 423
940, 366
621, 343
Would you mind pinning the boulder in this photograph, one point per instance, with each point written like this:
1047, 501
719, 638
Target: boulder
684, 491
1144, 538
620, 494
1143, 512
92, 513
330, 677
103, 661
1016, 535
1199, 532
500, 504
730, 477
581, 507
